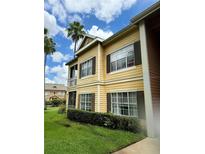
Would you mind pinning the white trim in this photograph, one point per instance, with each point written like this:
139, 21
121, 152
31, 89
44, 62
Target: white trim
147, 83
89, 44
86, 36
85, 102
121, 47
86, 92
109, 82
86, 60
123, 90
98, 62
88, 76
82, 63
98, 97
122, 70
128, 103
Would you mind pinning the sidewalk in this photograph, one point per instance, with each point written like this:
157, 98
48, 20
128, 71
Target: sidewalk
146, 146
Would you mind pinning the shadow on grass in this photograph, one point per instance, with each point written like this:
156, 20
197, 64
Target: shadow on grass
63, 122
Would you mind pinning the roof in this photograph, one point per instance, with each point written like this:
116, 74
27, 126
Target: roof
97, 39
71, 61
50, 86
146, 12
89, 36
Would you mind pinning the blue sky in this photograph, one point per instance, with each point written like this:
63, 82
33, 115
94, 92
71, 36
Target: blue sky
100, 17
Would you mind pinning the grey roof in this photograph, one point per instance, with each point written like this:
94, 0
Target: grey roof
50, 86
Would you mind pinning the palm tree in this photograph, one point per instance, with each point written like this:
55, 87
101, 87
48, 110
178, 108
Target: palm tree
49, 45
75, 31
49, 48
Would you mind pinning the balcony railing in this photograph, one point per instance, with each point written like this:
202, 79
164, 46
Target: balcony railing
72, 82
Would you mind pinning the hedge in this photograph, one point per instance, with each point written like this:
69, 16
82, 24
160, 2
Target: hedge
105, 119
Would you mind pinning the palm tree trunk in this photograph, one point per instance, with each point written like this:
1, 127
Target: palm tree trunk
45, 57
75, 47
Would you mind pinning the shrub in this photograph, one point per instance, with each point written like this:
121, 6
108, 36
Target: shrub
56, 102
64, 101
105, 120
61, 109
48, 102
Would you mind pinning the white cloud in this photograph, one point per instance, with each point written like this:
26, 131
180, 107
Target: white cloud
47, 80
96, 31
75, 17
47, 69
105, 10
60, 74
59, 57
51, 24
57, 9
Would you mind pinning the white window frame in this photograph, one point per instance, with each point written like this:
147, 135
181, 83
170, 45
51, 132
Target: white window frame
128, 102
121, 50
86, 95
86, 67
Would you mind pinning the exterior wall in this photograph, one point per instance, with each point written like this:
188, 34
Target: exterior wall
135, 71
83, 90
102, 82
84, 57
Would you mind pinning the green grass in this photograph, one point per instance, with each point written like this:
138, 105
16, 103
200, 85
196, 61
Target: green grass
67, 137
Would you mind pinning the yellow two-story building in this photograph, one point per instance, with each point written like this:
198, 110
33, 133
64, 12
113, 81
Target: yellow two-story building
120, 74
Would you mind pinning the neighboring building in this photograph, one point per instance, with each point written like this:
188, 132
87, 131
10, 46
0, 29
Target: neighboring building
121, 74
53, 91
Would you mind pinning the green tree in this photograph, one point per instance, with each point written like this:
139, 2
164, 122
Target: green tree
49, 48
75, 31
49, 45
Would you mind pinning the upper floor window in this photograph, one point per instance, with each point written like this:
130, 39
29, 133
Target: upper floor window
122, 58
87, 67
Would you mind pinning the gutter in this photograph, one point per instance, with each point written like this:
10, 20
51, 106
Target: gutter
145, 13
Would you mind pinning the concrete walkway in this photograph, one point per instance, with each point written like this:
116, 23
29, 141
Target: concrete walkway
145, 146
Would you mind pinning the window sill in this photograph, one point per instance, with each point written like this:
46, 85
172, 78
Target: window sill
122, 70
89, 76
125, 115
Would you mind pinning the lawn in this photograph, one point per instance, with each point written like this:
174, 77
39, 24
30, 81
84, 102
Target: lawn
67, 137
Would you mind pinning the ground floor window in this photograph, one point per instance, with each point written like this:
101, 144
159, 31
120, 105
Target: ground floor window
85, 102
124, 103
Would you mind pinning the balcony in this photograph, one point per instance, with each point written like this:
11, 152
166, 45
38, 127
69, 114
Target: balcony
72, 82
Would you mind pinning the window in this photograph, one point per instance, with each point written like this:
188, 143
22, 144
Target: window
73, 71
86, 68
122, 58
85, 102
124, 103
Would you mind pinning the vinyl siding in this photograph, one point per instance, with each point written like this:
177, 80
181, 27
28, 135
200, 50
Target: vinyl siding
124, 80
85, 90
136, 71
84, 57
